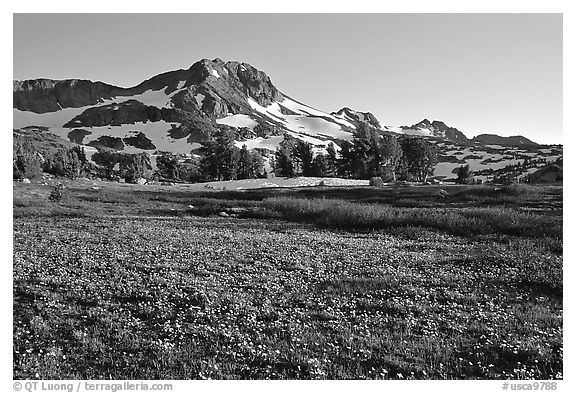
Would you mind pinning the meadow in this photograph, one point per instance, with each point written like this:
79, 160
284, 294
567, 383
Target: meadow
120, 281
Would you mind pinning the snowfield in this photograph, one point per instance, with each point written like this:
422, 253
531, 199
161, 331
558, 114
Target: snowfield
276, 182
314, 130
238, 121
261, 143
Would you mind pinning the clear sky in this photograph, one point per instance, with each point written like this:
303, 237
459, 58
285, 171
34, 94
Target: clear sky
481, 73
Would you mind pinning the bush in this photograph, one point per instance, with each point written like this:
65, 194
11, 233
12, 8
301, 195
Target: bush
56, 194
134, 166
464, 175
106, 160
26, 162
70, 163
376, 181
517, 189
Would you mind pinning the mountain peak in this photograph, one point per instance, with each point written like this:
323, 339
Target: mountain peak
357, 117
436, 129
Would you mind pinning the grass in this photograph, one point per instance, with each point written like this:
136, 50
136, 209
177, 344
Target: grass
128, 282
464, 222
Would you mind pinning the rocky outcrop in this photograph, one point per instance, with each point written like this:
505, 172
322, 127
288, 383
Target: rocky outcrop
256, 83
108, 142
78, 135
47, 95
357, 117
438, 129
127, 112
139, 141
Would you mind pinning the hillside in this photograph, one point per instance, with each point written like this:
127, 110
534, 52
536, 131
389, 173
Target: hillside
178, 110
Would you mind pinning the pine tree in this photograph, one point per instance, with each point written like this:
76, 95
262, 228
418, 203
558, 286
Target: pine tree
320, 166
361, 156
285, 160
344, 165
70, 162
419, 157
134, 166
107, 159
464, 175
303, 152
26, 161
245, 168
220, 157
168, 165
331, 160
258, 169
392, 153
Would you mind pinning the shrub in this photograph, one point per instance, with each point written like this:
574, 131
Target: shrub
466, 222
517, 189
70, 163
107, 160
376, 181
134, 166
26, 162
56, 194
464, 175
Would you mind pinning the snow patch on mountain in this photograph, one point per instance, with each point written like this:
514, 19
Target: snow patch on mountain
215, 73
417, 132
199, 99
311, 129
21, 119
238, 121
157, 98
271, 143
394, 129
317, 126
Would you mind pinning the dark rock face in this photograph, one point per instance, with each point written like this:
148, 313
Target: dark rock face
109, 142
77, 135
139, 141
225, 86
128, 112
256, 83
491, 139
208, 90
47, 95
450, 133
357, 117
265, 130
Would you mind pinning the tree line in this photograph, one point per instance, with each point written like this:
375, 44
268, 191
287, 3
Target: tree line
369, 154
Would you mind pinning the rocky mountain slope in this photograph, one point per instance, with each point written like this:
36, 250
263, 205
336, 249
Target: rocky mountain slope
176, 111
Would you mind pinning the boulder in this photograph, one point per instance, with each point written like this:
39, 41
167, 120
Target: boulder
223, 214
141, 181
440, 193
26, 181
376, 181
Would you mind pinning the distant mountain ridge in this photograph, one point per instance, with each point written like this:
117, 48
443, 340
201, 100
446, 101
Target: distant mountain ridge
177, 110
493, 139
